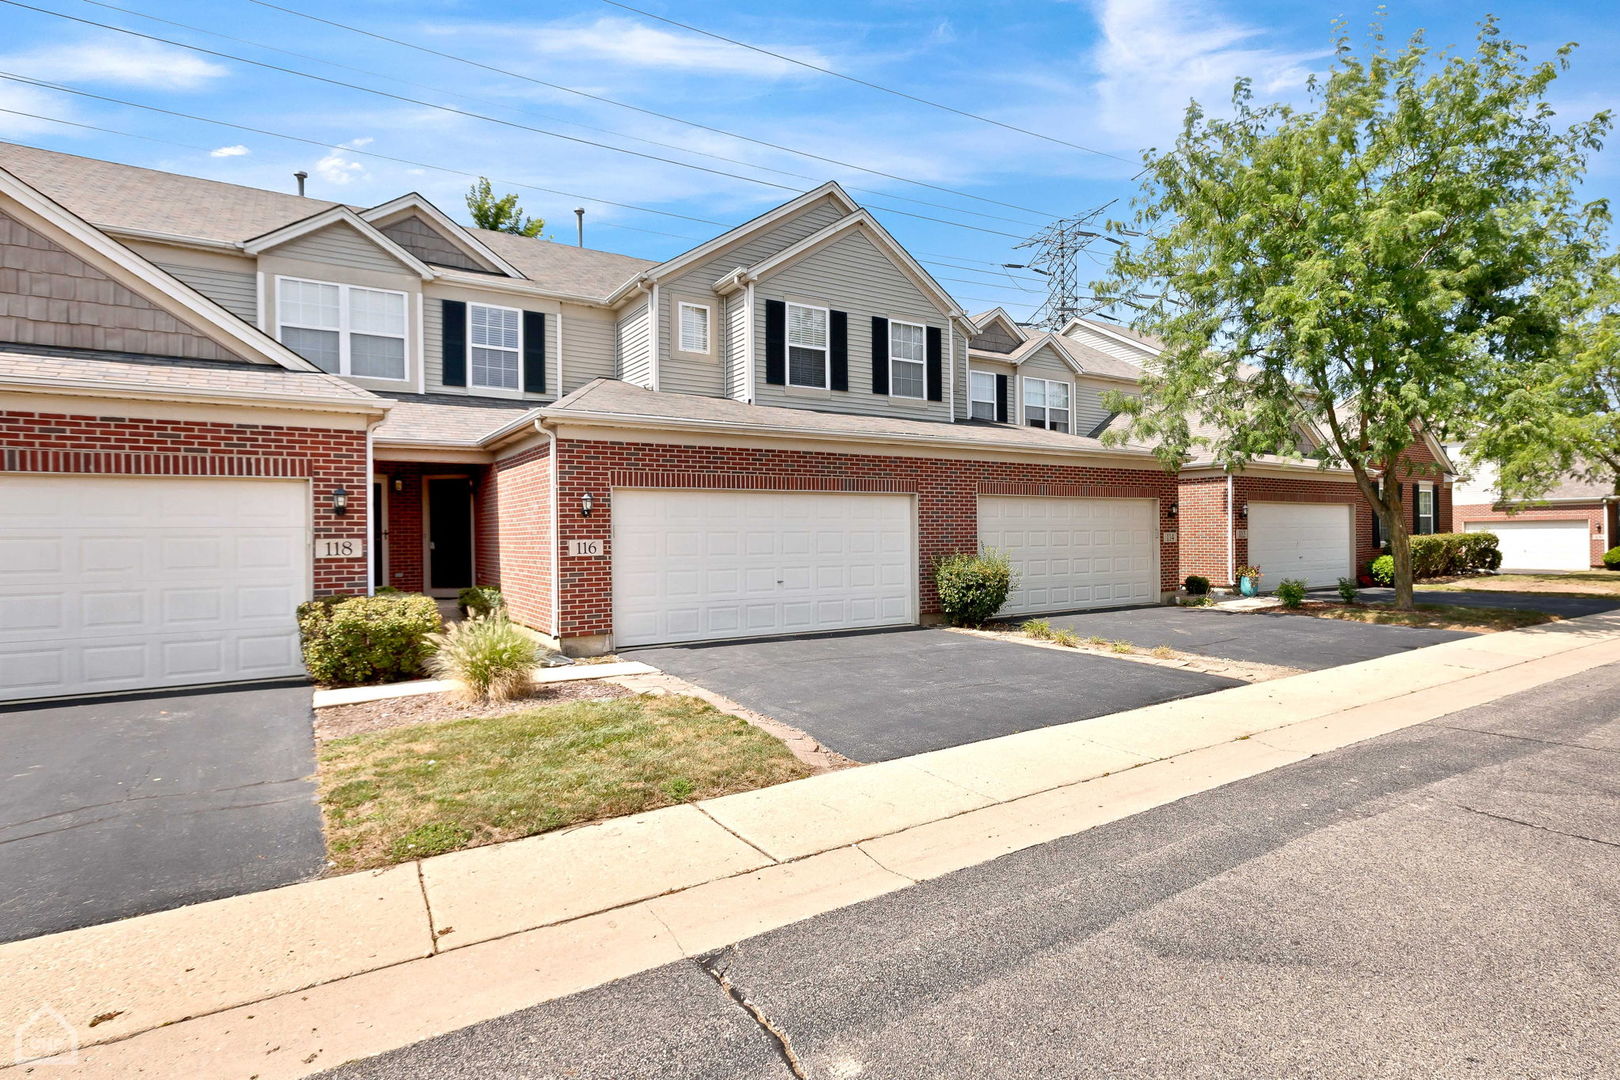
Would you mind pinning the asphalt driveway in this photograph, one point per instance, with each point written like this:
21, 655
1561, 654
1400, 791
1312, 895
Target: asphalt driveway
1256, 637
886, 694
1569, 607
128, 806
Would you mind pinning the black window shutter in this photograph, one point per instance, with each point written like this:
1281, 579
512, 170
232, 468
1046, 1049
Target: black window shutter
1001, 399
775, 342
936, 364
1377, 527
838, 346
1414, 490
534, 352
880, 355
454, 343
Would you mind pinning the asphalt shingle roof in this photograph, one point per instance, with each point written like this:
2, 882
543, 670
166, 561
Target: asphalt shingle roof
34, 364
447, 418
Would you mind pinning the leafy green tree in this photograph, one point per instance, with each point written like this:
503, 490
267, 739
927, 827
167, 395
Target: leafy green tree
502, 214
1390, 258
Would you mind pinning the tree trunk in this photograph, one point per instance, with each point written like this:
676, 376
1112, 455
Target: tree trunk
1398, 533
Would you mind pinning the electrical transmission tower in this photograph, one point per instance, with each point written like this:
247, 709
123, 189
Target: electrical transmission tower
1058, 249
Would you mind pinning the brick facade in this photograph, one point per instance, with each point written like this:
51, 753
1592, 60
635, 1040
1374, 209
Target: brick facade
947, 494
111, 445
1600, 524
406, 539
514, 550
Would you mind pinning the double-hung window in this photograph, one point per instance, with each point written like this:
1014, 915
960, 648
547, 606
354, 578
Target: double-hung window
1046, 404
908, 360
494, 346
807, 346
694, 328
982, 395
344, 329
1425, 509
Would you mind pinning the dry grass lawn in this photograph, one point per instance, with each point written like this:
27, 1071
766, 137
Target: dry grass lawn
1428, 616
1580, 583
395, 795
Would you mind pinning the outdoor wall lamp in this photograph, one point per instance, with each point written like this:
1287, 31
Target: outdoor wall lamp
399, 485
340, 501
1172, 510
585, 504
1243, 511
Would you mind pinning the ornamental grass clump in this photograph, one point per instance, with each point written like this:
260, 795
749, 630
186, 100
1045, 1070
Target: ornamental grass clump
490, 659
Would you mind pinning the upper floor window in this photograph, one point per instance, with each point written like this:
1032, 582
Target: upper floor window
807, 346
908, 360
344, 329
494, 345
982, 395
1425, 509
1046, 404
694, 328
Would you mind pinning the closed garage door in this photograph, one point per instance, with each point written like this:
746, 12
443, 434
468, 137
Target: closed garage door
700, 565
1310, 542
126, 583
1540, 545
1074, 553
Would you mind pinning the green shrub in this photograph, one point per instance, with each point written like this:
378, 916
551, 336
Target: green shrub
481, 600
1448, 554
491, 658
1348, 590
1383, 570
972, 587
1196, 585
351, 640
1039, 629
1611, 558
1291, 591
1199, 601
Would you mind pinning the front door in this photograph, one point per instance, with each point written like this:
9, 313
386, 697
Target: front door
379, 514
450, 543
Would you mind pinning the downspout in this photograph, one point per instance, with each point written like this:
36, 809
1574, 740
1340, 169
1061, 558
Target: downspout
1231, 531
556, 534
371, 510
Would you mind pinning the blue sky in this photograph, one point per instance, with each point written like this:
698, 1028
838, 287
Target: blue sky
1111, 75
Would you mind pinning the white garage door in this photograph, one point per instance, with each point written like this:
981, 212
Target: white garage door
1074, 553
1305, 541
699, 565
126, 583
1539, 545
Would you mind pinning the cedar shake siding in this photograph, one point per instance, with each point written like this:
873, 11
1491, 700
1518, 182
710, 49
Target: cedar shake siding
428, 244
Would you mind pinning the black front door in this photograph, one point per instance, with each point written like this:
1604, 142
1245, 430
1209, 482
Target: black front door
450, 553
375, 509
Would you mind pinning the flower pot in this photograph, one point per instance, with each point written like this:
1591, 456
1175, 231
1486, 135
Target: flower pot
1248, 586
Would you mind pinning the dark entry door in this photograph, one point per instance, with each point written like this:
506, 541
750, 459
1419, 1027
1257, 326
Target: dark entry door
379, 577
450, 548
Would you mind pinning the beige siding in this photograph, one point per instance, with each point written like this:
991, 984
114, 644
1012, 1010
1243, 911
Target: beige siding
237, 291
340, 244
433, 338
853, 276
1103, 343
635, 345
588, 345
1045, 363
684, 372
426, 242
700, 277
736, 344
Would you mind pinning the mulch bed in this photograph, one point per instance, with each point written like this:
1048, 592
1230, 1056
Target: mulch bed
337, 721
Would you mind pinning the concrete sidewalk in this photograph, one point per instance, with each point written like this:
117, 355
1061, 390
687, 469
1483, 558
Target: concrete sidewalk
289, 982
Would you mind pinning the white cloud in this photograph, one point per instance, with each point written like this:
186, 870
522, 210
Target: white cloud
334, 168
230, 151
1157, 55
30, 100
638, 45
122, 63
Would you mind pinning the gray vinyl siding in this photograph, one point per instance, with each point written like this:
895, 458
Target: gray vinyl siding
428, 244
433, 345
682, 372
1106, 344
736, 344
1045, 363
635, 346
853, 276
340, 245
234, 290
589, 339
700, 277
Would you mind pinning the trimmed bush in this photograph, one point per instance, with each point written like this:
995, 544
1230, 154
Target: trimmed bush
972, 587
1611, 558
1383, 570
1291, 591
1448, 554
481, 601
490, 658
1348, 590
1196, 585
352, 640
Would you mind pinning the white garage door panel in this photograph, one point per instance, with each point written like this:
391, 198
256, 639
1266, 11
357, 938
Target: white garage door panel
1539, 545
132, 582
1073, 553
1306, 541
698, 565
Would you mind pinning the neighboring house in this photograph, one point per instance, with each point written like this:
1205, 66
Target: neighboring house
1567, 529
218, 400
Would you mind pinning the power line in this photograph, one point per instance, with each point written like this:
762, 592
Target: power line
558, 119
864, 82
644, 111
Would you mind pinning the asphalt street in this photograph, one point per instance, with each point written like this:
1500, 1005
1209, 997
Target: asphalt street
1440, 902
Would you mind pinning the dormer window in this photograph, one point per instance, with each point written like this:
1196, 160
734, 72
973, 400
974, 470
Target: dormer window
343, 329
494, 344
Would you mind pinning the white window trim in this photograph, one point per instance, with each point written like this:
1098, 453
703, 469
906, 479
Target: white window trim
1431, 519
498, 348
826, 350
906, 360
343, 330
708, 328
991, 401
1023, 400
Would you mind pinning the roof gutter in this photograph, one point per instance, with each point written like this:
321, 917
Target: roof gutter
102, 388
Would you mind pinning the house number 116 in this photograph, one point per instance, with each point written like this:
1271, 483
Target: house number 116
586, 547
